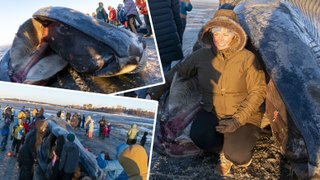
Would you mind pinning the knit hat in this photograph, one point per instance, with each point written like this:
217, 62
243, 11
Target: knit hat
70, 137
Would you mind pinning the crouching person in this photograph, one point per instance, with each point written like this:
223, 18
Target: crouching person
69, 158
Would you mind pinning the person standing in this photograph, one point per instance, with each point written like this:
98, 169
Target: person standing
17, 135
132, 134
83, 121
102, 125
131, 12
112, 16
185, 5
69, 158
143, 139
101, 13
143, 9
26, 158
168, 30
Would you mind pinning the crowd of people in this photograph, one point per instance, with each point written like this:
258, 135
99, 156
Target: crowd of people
126, 15
29, 129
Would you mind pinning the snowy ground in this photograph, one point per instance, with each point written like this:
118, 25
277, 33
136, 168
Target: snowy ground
267, 162
70, 79
120, 125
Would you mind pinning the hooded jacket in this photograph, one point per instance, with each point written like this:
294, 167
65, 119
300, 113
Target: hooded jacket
133, 132
134, 160
232, 82
69, 157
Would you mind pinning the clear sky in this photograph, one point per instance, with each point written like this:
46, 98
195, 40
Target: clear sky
68, 97
13, 13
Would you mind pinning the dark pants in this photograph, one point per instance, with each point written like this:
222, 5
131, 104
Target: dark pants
203, 132
148, 25
67, 176
26, 173
236, 146
16, 145
183, 23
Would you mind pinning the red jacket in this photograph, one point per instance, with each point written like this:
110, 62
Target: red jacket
142, 5
112, 15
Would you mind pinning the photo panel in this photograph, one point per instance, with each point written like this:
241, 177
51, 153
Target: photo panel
211, 124
94, 46
113, 134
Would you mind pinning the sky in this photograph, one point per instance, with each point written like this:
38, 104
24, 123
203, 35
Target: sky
70, 97
13, 13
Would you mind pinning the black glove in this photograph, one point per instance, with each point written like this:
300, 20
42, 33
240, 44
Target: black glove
228, 125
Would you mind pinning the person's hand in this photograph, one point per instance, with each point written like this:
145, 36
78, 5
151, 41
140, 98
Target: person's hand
228, 125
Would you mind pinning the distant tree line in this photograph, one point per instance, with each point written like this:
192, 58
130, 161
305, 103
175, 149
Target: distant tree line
119, 110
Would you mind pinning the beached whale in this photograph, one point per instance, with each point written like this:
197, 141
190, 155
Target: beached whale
285, 36
57, 37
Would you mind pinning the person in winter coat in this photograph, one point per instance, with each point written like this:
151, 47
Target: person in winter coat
79, 119
185, 5
168, 30
143, 139
22, 115
101, 13
108, 130
233, 87
131, 12
34, 113
41, 129
17, 136
74, 121
87, 123
134, 161
27, 157
113, 167
132, 134
143, 9
112, 15
102, 125
69, 157
91, 128
121, 18
5, 131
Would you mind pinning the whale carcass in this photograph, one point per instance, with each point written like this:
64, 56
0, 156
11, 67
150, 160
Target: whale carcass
285, 36
57, 37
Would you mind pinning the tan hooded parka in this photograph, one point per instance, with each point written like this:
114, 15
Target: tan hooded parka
231, 81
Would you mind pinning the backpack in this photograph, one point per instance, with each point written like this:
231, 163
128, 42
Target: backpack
20, 134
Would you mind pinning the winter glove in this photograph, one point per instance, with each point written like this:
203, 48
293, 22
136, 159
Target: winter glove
228, 125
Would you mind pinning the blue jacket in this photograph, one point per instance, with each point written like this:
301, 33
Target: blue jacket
114, 169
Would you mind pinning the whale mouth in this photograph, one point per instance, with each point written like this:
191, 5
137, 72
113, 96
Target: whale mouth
53, 40
31, 59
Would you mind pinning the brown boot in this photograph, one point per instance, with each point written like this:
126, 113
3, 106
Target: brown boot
224, 166
246, 164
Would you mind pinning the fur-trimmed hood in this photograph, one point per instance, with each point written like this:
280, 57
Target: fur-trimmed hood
228, 19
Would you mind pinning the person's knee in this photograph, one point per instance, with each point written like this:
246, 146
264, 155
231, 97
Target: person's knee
238, 157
